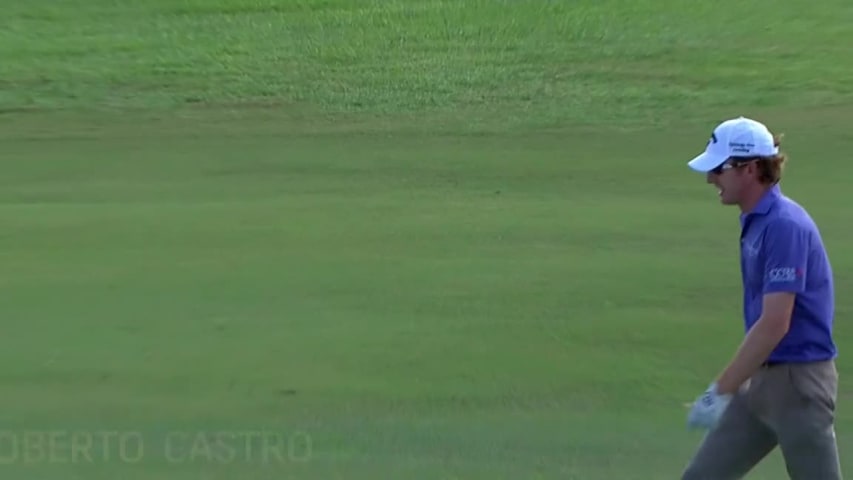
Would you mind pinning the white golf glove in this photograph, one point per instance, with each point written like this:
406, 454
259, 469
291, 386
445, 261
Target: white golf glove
708, 408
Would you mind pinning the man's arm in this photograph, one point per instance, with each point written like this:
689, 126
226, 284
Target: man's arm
759, 342
785, 247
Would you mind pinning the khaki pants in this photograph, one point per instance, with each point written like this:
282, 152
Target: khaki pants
787, 405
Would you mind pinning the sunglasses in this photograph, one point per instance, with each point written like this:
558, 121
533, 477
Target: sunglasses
732, 162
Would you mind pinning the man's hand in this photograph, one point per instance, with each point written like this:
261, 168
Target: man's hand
708, 408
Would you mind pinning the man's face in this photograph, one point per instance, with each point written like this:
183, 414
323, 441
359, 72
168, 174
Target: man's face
731, 180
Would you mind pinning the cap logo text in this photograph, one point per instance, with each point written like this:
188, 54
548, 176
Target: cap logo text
741, 147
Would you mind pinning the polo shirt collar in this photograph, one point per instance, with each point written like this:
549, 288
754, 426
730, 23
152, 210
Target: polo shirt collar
764, 204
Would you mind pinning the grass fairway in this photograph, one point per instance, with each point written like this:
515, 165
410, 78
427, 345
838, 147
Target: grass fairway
409, 239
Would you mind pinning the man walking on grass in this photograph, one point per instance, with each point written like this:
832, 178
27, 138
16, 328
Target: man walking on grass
780, 388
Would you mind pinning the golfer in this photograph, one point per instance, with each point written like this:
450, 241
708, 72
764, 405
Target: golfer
780, 387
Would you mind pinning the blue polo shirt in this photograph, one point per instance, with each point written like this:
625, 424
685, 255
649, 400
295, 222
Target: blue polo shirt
782, 251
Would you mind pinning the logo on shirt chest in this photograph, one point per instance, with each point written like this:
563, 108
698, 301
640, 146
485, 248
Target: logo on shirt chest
753, 271
750, 247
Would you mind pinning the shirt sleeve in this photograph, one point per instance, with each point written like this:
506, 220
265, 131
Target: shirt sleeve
786, 252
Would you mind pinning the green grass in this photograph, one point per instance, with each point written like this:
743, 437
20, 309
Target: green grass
437, 239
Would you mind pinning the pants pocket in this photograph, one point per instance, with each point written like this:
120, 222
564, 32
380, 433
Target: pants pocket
814, 383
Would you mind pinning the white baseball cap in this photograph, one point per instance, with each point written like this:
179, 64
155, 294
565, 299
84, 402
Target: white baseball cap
738, 137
